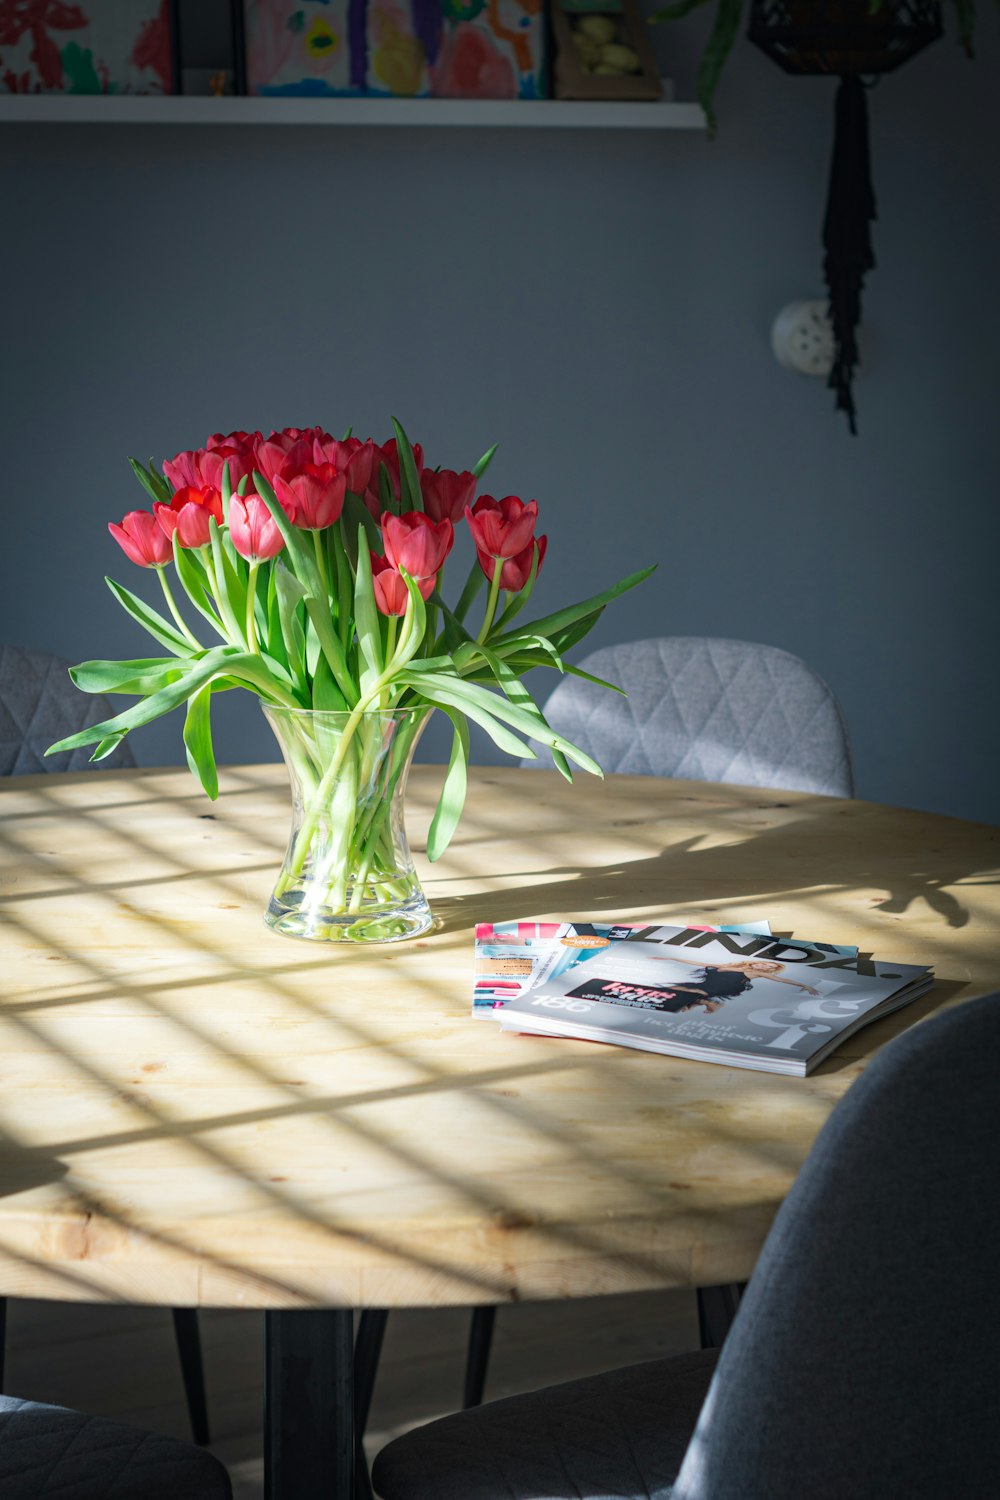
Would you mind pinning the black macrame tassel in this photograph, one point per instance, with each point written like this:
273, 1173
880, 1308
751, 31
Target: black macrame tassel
850, 209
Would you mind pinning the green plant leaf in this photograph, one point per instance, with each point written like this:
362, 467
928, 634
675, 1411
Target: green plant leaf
155, 486
106, 747
290, 593
198, 740
480, 468
225, 601
713, 59
140, 676
194, 581
452, 798
366, 619
221, 662
448, 693
317, 602
469, 696
410, 494
549, 624
326, 695
148, 618
467, 598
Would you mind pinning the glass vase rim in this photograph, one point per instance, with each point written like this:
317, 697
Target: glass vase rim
340, 716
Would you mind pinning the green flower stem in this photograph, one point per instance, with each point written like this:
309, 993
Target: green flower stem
473, 584
172, 606
217, 575
491, 602
323, 570
345, 591
251, 601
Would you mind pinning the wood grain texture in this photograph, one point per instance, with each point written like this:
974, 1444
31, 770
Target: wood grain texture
197, 1111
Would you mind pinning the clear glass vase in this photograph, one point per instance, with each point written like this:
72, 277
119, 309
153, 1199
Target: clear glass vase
348, 874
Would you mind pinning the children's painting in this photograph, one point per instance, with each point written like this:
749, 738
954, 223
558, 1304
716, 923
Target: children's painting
85, 47
447, 49
305, 47
456, 49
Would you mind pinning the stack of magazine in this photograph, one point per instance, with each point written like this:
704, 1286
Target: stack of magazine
727, 994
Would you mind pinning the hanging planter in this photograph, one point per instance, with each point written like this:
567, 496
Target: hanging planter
855, 41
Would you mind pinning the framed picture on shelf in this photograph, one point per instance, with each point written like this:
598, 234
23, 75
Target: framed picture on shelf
408, 49
305, 48
88, 47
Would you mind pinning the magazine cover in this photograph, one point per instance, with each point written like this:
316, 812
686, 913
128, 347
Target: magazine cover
514, 957
749, 1000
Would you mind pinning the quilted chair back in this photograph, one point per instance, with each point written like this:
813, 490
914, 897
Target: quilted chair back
39, 704
707, 710
52, 1453
863, 1360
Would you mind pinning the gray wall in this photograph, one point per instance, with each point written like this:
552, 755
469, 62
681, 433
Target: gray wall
600, 303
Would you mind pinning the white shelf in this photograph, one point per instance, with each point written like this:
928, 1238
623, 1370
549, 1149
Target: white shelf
96, 109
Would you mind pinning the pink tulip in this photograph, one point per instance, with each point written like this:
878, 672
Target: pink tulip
501, 528
414, 542
515, 570
314, 498
446, 494
391, 593
253, 529
142, 540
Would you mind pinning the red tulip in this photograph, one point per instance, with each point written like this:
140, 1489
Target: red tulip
282, 456
389, 455
391, 593
514, 573
446, 494
314, 498
212, 461
142, 540
188, 514
414, 542
501, 528
182, 470
253, 529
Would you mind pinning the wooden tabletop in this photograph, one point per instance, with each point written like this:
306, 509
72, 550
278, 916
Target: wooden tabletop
194, 1110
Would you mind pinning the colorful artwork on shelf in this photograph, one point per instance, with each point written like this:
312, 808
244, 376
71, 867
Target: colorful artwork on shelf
309, 48
445, 49
457, 49
86, 47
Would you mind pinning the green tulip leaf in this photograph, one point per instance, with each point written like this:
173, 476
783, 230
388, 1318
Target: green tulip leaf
156, 488
452, 799
573, 613
148, 618
480, 468
198, 740
410, 494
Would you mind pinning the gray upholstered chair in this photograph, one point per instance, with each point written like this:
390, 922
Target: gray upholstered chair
862, 1364
49, 1451
707, 710
38, 705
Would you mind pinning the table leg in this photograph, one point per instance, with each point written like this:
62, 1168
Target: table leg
309, 1405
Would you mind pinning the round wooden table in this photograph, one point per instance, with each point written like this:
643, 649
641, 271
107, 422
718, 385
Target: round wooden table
197, 1112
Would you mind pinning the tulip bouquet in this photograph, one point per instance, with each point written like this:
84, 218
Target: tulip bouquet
312, 574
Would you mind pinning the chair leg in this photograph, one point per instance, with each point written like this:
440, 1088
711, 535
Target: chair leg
192, 1370
478, 1356
717, 1307
367, 1352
